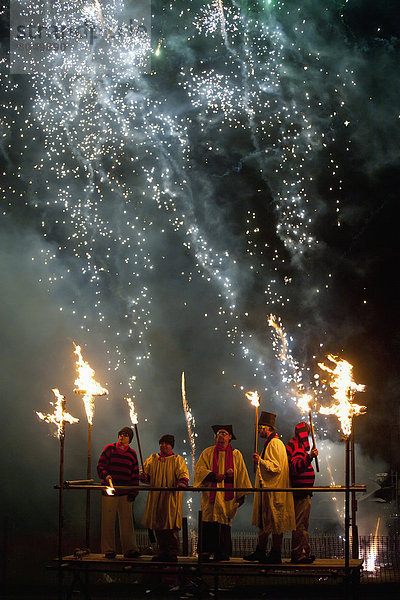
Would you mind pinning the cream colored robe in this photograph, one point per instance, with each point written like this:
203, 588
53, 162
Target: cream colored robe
273, 512
164, 509
221, 511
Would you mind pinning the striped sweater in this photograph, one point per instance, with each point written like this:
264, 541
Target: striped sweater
301, 471
121, 465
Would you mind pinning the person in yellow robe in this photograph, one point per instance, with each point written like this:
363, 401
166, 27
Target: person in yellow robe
220, 466
273, 512
163, 511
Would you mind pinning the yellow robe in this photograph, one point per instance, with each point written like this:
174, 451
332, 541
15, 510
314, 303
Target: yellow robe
164, 509
273, 512
220, 511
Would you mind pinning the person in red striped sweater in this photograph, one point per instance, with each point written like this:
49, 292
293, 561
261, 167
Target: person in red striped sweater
301, 475
119, 463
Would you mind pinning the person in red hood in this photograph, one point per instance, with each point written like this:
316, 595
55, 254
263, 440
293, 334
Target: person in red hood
301, 475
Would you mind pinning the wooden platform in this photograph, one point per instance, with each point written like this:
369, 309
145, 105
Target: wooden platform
191, 567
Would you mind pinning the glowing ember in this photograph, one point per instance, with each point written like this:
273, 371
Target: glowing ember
59, 416
132, 413
345, 388
254, 398
87, 386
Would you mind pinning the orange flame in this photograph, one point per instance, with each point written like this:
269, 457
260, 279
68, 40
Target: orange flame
59, 416
132, 413
304, 402
345, 388
254, 398
87, 386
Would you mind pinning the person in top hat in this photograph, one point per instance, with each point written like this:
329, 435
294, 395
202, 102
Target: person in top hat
163, 511
273, 512
223, 467
301, 475
119, 463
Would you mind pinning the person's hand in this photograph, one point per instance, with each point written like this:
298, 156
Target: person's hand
229, 472
256, 458
240, 501
219, 477
314, 453
181, 485
108, 478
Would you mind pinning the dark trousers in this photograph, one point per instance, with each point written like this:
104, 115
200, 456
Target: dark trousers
217, 539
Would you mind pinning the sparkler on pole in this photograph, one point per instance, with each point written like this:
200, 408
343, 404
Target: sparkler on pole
134, 420
190, 422
304, 404
89, 388
59, 418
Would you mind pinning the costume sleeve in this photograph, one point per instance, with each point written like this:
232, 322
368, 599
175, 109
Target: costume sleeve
241, 476
145, 477
272, 461
202, 468
182, 472
104, 462
299, 461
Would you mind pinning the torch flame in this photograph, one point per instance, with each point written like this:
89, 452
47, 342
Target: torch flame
304, 402
59, 416
87, 385
132, 413
254, 398
345, 388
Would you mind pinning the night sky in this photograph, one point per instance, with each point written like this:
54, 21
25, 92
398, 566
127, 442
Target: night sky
163, 196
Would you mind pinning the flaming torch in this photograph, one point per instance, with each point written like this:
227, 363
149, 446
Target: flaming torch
59, 418
89, 389
345, 409
134, 420
344, 388
304, 404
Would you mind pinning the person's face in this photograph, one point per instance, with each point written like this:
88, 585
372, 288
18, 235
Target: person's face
165, 448
263, 431
123, 438
223, 438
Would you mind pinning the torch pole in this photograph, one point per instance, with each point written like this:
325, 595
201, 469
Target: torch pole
347, 512
89, 476
139, 447
354, 528
256, 435
61, 507
313, 438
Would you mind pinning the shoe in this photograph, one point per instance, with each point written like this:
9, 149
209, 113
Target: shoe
272, 558
258, 555
303, 560
218, 557
205, 557
136, 554
110, 555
